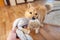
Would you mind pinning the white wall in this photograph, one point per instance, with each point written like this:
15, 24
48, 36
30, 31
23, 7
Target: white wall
12, 2
20, 1
29, 0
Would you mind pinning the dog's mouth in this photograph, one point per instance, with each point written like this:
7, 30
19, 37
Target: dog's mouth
33, 18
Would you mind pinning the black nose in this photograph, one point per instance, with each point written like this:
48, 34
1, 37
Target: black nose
33, 18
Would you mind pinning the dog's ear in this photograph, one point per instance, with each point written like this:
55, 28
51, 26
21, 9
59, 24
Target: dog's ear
29, 5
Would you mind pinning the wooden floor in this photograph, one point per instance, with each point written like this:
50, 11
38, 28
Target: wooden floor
9, 14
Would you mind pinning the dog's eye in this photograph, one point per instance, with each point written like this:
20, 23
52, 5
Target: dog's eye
30, 12
36, 14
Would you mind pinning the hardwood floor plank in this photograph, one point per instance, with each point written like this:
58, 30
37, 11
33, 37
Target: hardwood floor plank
46, 35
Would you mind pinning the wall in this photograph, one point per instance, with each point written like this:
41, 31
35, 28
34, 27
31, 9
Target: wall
12, 2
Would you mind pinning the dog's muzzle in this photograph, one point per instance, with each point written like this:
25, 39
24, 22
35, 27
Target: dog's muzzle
33, 18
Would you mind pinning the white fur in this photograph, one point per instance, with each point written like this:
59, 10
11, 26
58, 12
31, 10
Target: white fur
37, 30
35, 25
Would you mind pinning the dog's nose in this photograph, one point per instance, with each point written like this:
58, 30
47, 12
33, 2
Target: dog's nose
33, 18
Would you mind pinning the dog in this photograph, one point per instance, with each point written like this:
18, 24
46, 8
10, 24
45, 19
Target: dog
23, 30
31, 16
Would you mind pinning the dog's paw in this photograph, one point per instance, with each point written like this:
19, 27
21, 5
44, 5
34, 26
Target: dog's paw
37, 31
41, 25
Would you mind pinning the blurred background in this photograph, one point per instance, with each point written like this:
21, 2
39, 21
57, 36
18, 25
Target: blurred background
12, 9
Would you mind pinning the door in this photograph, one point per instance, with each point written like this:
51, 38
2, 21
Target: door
1, 2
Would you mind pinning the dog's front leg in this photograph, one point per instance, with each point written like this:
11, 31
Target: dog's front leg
37, 30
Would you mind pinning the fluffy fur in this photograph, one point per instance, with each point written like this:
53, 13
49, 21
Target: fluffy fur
35, 25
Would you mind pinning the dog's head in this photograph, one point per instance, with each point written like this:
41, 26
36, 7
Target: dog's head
37, 11
31, 12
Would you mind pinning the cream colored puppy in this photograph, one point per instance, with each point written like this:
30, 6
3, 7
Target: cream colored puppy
35, 25
23, 30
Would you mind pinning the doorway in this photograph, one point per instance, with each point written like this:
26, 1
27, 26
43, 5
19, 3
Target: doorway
8, 2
